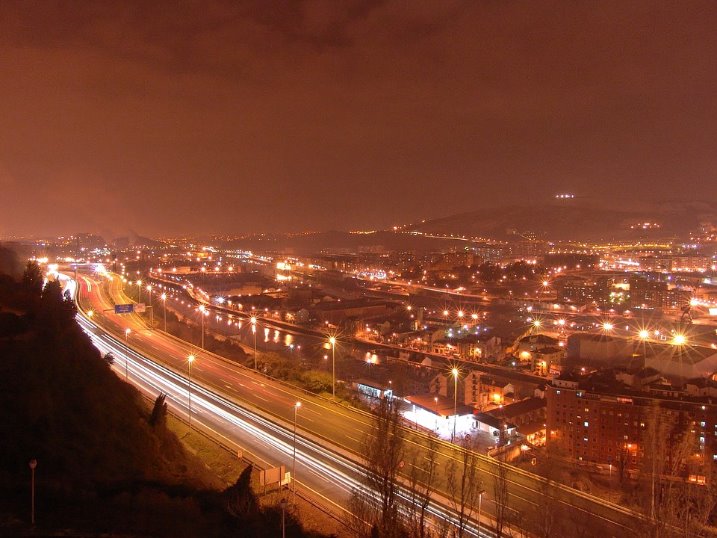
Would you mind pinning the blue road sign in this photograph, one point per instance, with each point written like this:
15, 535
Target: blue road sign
124, 308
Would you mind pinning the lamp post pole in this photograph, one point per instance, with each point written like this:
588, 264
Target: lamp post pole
293, 464
202, 312
253, 329
455, 402
151, 310
480, 501
332, 341
126, 359
33, 465
283, 504
190, 360
164, 309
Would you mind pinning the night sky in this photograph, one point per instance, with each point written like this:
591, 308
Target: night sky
179, 117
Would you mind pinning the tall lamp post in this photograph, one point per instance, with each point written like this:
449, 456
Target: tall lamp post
139, 291
454, 371
190, 360
332, 341
151, 310
202, 312
293, 464
283, 504
253, 329
480, 501
164, 309
33, 465
126, 341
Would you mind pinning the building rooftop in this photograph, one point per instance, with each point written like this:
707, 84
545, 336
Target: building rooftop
518, 408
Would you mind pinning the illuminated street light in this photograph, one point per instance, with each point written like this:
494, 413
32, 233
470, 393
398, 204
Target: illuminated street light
253, 329
190, 360
202, 312
644, 334
607, 326
537, 324
679, 340
293, 464
151, 310
90, 313
454, 371
139, 291
164, 308
332, 341
126, 340
480, 501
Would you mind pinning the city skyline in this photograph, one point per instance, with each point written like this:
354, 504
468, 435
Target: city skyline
276, 117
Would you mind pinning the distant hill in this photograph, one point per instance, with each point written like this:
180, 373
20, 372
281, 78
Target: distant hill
335, 241
574, 220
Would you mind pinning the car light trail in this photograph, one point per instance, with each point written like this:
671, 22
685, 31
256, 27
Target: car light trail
329, 470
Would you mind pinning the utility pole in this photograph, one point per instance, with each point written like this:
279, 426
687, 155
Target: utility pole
33, 465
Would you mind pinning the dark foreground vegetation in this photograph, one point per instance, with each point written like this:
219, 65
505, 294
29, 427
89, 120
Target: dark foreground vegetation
106, 463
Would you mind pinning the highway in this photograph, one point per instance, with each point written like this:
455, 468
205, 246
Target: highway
263, 437
329, 425
320, 473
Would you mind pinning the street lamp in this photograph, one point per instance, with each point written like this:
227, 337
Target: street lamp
151, 310
126, 340
283, 504
454, 371
679, 340
202, 312
480, 501
253, 329
139, 291
33, 465
293, 465
164, 308
332, 341
190, 360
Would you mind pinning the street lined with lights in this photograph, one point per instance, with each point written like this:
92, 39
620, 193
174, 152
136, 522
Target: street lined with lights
336, 425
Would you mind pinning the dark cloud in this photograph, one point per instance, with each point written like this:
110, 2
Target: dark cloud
170, 117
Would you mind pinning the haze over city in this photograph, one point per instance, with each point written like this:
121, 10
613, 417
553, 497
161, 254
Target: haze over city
229, 117
358, 269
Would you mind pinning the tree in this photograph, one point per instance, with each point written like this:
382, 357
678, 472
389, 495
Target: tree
500, 496
383, 449
158, 417
32, 279
464, 484
240, 499
676, 505
421, 483
546, 510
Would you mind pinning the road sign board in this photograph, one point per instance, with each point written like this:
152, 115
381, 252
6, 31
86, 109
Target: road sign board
140, 307
124, 308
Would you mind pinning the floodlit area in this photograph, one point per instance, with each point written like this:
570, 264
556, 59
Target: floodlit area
442, 425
